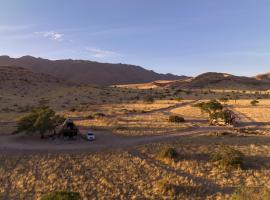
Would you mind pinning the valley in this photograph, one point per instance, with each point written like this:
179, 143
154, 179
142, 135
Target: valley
132, 125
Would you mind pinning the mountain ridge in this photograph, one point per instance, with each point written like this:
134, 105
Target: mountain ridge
88, 72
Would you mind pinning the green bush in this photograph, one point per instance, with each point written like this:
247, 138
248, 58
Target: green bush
64, 195
228, 157
254, 102
148, 99
176, 119
246, 193
168, 152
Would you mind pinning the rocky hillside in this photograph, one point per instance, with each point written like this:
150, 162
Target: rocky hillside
88, 72
22, 80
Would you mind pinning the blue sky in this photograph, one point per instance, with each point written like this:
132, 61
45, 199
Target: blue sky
175, 36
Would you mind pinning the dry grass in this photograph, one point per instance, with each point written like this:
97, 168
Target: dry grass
100, 176
134, 122
194, 162
139, 174
135, 125
154, 124
120, 108
259, 113
192, 114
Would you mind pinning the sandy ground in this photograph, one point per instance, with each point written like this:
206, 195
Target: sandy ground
104, 141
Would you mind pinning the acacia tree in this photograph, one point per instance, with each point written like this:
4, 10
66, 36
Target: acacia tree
216, 113
210, 107
39, 120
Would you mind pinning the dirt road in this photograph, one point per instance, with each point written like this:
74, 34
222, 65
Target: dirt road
104, 141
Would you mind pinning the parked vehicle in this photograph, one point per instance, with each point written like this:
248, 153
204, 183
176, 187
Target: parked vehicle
90, 136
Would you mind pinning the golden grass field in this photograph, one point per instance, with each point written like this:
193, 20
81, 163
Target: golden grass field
133, 119
136, 172
259, 113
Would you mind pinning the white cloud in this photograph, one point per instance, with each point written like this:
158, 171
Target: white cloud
100, 53
51, 35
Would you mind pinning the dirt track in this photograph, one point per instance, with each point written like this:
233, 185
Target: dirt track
105, 140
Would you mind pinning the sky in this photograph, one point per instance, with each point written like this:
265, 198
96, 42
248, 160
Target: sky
168, 36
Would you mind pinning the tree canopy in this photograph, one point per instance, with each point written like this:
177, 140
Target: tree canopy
216, 112
39, 120
210, 107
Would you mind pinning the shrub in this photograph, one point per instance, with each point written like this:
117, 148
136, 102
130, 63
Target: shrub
72, 109
99, 115
166, 188
168, 152
90, 117
254, 102
246, 193
176, 119
179, 99
228, 157
64, 195
148, 99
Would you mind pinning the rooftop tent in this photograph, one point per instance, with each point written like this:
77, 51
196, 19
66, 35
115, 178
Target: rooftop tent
69, 129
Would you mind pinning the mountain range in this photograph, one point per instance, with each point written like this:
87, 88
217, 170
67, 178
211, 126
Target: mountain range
88, 72
30, 70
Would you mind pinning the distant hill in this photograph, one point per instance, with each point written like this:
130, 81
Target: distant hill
154, 84
225, 81
263, 77
211, 80
88, 72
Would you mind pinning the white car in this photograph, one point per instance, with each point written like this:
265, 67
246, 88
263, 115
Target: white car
90, 136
